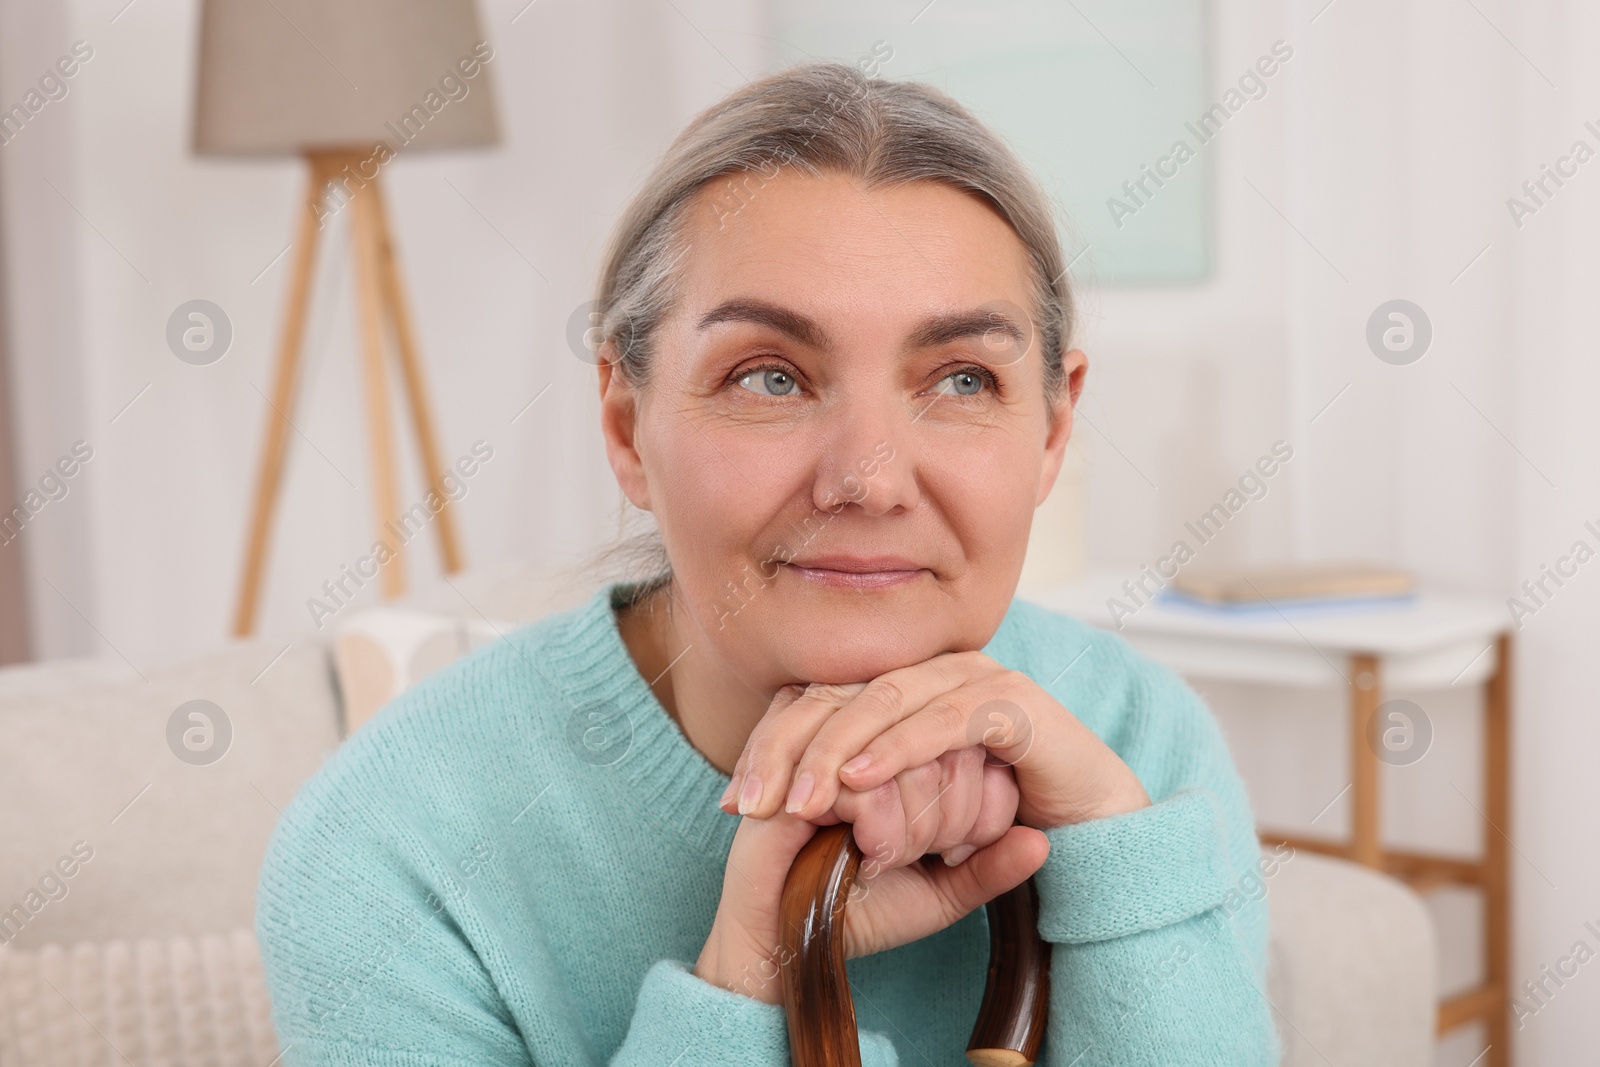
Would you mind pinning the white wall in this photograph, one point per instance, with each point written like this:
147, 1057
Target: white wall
1390, 142
1554, 274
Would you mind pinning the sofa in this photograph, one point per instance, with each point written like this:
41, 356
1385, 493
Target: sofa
135, 809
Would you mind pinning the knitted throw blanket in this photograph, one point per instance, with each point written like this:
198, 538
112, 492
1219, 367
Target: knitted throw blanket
183, 1002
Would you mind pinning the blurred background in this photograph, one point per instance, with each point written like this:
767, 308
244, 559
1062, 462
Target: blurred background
1342, 155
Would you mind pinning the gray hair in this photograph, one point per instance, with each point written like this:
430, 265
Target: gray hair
814, 118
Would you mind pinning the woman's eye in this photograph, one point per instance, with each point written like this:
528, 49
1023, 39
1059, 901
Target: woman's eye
769, 382
961, 383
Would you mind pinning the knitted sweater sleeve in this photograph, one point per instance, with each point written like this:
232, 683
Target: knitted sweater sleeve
1158, 917
680, 1015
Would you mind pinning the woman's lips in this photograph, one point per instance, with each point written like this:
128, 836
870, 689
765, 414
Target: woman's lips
857, 572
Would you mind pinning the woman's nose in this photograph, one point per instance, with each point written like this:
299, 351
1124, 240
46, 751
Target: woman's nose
865, 462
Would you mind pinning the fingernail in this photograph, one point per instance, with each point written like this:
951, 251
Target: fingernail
956, 855
857, 764
800, 792
727, 794
749, 794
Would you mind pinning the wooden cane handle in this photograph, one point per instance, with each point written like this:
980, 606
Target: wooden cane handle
816, 993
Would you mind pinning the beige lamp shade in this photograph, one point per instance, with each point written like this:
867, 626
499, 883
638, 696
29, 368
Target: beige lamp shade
291, 76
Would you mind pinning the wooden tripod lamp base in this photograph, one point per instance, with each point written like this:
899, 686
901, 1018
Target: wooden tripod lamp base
382, 299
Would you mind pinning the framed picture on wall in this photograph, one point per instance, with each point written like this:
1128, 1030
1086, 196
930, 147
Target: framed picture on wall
1096, 96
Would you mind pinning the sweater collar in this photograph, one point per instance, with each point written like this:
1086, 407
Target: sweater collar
618, 724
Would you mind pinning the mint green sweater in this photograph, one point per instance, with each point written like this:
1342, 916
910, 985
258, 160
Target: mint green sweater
518, 860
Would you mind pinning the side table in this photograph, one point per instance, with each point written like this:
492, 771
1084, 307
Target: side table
1432, 642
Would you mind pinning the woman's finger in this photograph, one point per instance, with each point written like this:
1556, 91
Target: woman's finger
878, 707
762, 776
784, 697
961, 799
996, 814
1065, 772
982, 711
758, 864
928, 809
745, 940
878, 824
922, 791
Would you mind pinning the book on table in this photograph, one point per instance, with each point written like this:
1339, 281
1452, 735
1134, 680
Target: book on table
1262, 587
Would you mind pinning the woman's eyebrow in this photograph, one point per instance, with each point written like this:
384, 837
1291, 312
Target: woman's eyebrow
930, 333
942, 329
782, 319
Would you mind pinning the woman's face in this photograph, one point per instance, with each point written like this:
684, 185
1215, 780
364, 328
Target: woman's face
842, 440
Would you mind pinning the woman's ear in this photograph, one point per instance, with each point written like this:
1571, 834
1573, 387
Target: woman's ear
1074, 365
619, 420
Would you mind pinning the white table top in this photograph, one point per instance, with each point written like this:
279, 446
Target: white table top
1430, 641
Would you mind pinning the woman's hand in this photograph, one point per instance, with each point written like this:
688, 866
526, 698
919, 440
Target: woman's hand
813, 743
895, 900
953, 804
959, 804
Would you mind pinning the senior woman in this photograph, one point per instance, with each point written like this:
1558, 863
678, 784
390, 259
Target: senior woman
836, 371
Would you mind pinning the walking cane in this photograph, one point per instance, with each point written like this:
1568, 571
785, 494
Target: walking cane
816, 993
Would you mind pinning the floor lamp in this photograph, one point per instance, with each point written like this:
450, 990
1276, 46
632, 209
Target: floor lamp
347, 86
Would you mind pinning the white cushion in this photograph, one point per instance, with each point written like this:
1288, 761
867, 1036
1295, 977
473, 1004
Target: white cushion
168, 847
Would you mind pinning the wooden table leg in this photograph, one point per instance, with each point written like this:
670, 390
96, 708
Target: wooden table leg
1497, 849
1366, 844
